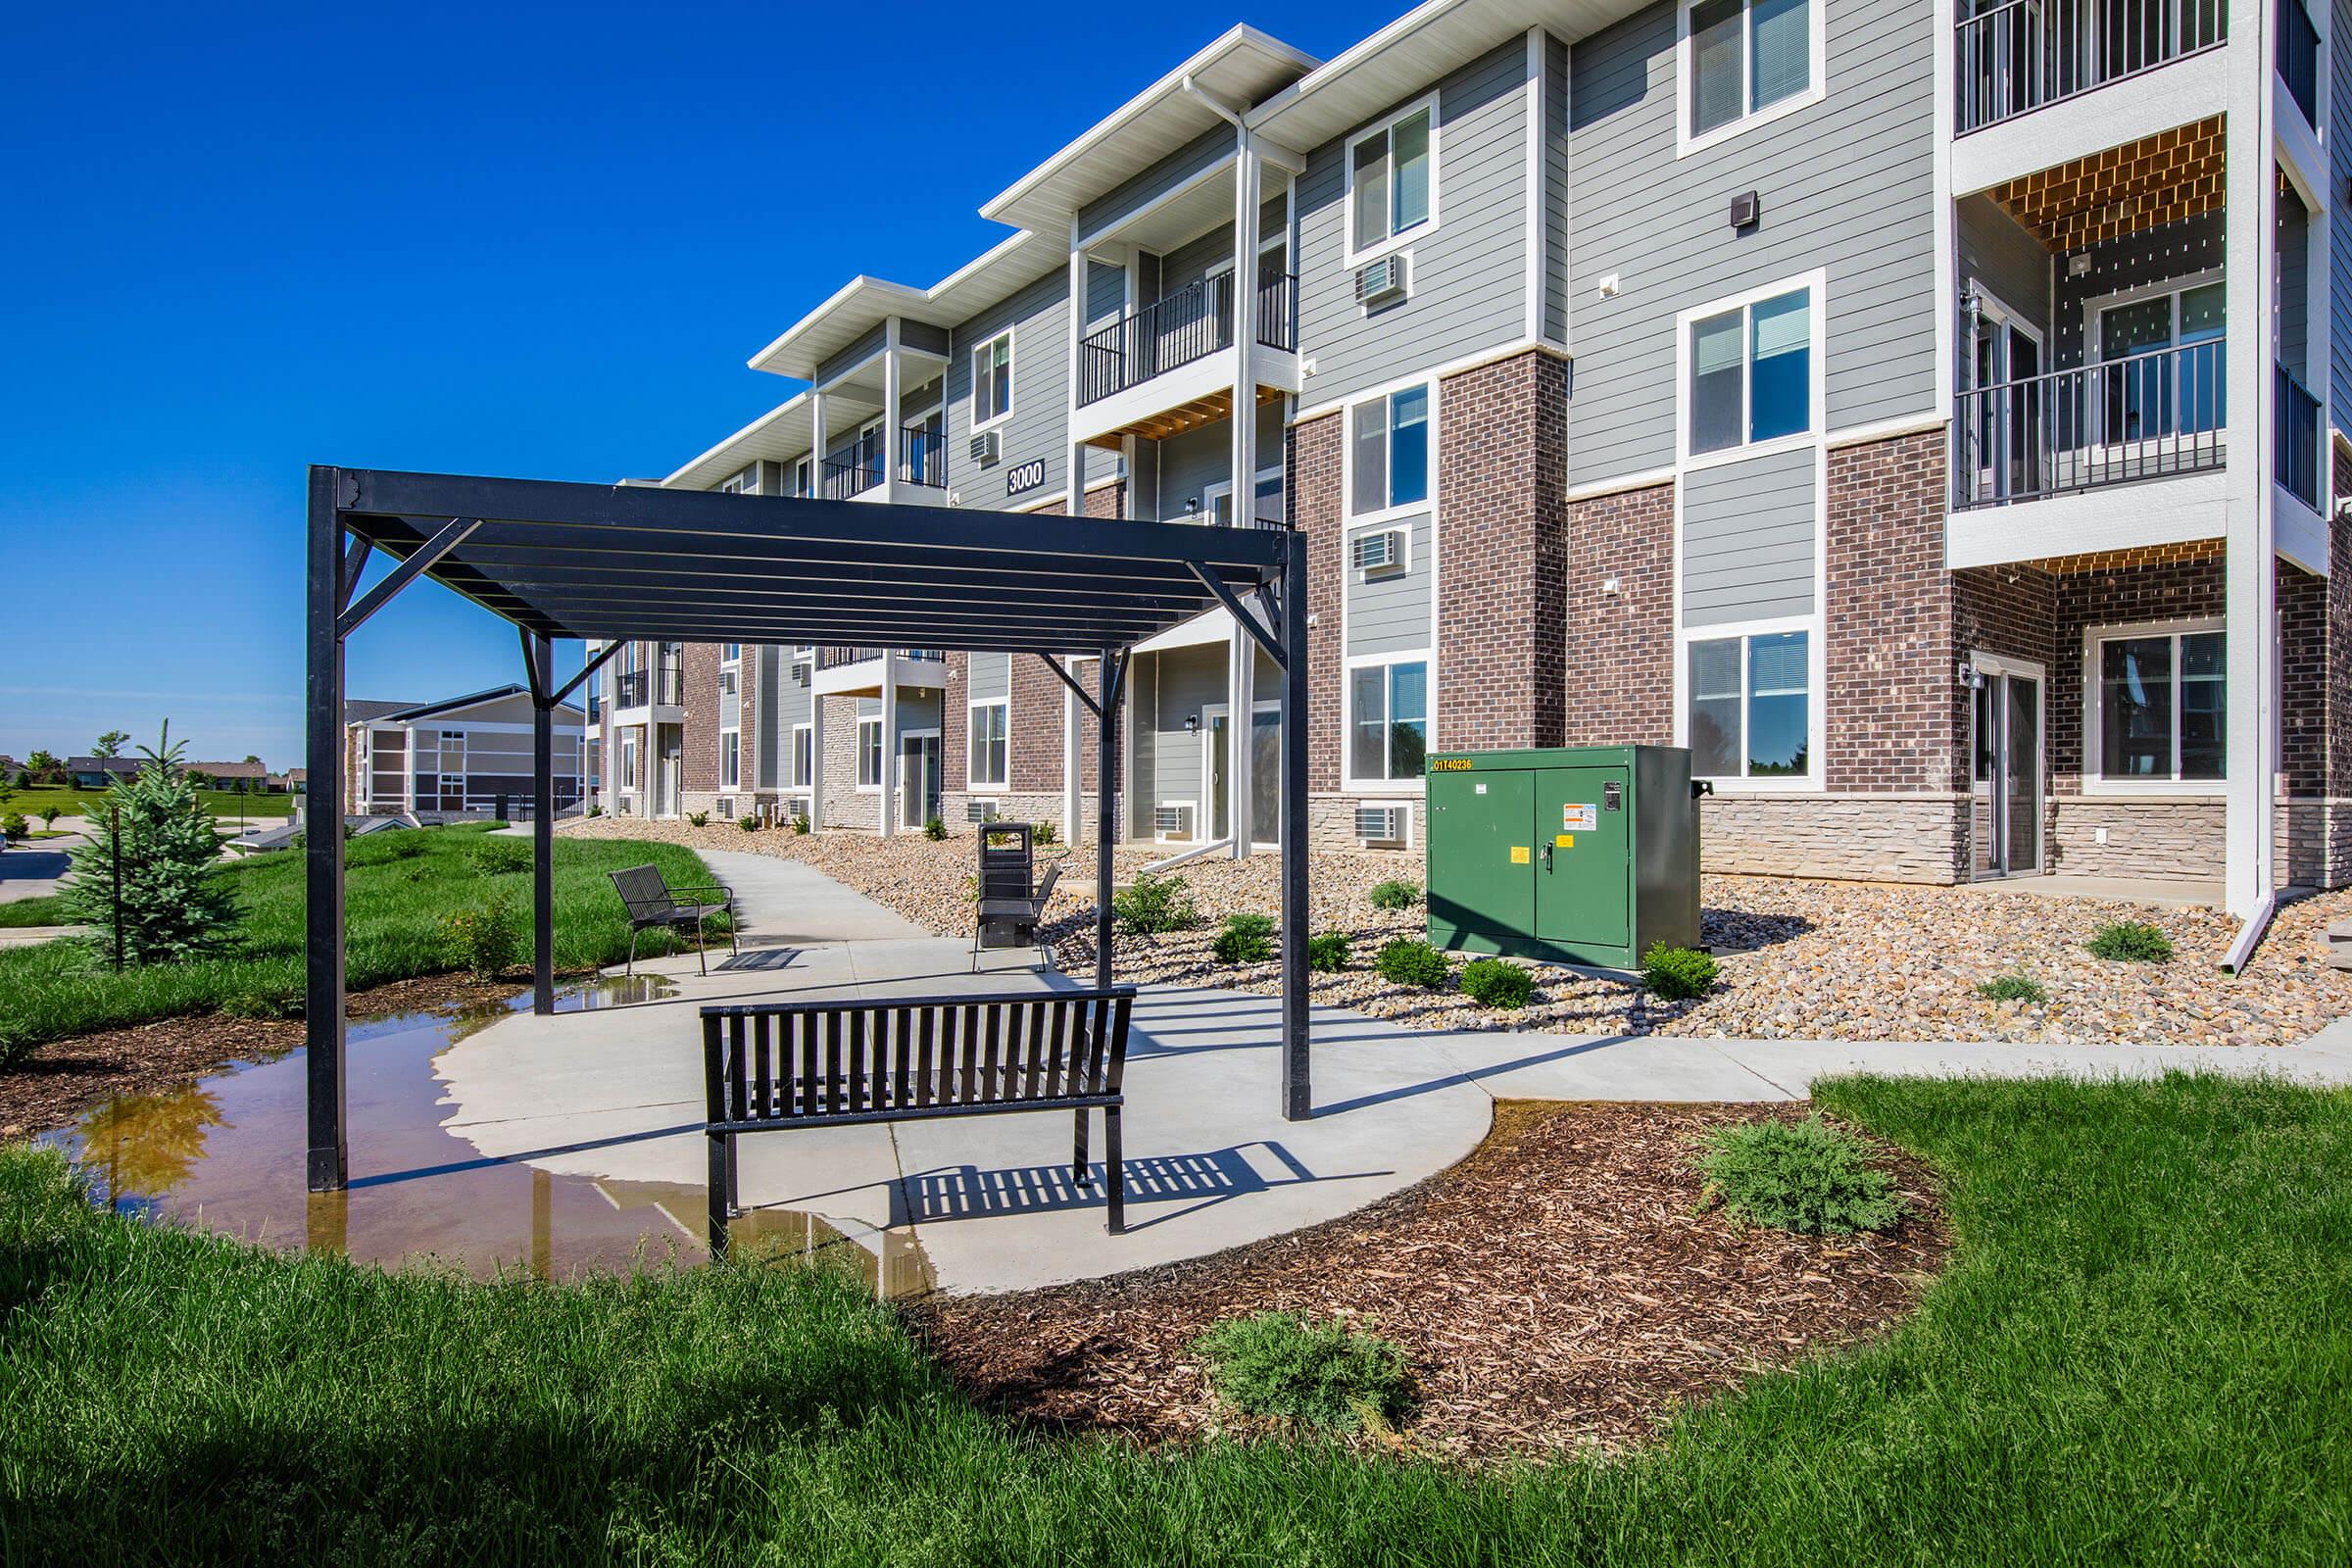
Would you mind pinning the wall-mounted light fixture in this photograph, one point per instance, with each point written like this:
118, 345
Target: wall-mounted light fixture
1192, 722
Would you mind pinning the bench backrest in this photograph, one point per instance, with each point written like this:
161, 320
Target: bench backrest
644, 892
1006, 869
783, 1062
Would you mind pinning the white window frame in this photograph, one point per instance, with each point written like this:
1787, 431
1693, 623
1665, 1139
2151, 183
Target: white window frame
1816, 726
2095, 781
1815, 283
744, 481
2094, 350
804, 750
804, 476
628, 784
1427, 658
441, 740
972, 781
731, 778
874, 748
1011, 351
1404, 563
1387, 128
1401, 509
1816, 67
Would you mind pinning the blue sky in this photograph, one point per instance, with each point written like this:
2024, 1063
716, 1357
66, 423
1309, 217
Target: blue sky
511, 240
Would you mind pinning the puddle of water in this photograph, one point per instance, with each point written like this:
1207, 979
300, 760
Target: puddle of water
226, 1152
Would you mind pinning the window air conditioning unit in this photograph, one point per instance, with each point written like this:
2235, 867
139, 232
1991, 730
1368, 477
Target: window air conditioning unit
986, 448
725, 806
1383, 824
1379, 551
979, 810
800, 671
1378, 283
1173, 822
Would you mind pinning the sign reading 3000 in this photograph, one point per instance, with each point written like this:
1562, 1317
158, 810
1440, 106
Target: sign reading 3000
1025, 477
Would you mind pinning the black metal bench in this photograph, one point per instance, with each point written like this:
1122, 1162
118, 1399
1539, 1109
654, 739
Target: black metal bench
778, 1066
652, 903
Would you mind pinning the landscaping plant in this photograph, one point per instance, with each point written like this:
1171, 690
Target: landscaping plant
14, 827
799, 823
1395, 895
1245, 939
1805, 1176
2131, 942
1326, 1375
501, 856
1152, 905
1411, 961
747, 822
50, 813
1044, 834
934, 829
1677, 974
173, 908
1328, 952
484, 941
699, 819
1498, 983
2013, 988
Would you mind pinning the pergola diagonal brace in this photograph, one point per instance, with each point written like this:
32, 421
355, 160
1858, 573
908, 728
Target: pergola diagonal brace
530, 669
586, 670
355, 562
1071, 681
424, 558
1242, 614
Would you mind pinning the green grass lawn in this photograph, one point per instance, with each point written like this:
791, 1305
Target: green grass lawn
2140, 1354
48, 910
399, 884
73, 801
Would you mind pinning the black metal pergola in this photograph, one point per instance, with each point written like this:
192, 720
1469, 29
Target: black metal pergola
626, 563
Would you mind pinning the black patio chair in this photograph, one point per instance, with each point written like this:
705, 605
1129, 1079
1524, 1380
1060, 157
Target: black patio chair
652, 903
1012, 902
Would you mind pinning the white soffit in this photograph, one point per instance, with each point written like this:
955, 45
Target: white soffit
782, 434
864, 303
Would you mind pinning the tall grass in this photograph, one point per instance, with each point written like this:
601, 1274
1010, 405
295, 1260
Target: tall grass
2139, 1353
398, 885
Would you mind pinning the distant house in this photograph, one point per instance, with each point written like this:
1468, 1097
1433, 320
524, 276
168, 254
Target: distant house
461, 756
97, 772
255, 777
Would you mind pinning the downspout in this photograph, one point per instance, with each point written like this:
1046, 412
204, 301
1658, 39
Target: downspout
2249, 936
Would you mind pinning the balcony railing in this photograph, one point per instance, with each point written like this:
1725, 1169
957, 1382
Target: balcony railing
2146, 416
2299, 59
1191, 324
636, 688
922, 460
2295, 443
2014, 58
835, 657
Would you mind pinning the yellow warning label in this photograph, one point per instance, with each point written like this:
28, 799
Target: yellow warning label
1519, 856
1565, 841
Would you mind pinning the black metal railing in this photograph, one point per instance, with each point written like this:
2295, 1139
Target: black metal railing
2014, 58
2295, 443
635, 688
2299, 59
923, 457
835, 657
844, 477
1191, 324
2144, 416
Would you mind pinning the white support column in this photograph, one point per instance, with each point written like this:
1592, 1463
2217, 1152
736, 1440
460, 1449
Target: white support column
886, 815
1072, 759
1241, 652
1075, 502
816, 764
890, 411
817, 452
2250, 552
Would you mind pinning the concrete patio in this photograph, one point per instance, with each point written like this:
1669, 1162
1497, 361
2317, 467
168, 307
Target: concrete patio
617, 1094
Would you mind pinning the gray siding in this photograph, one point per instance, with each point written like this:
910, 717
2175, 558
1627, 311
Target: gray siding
1748, 532
1847, 184
1468, 278
1997, 252
869, 344
1189, 262
1187, 680
2159, 255
1105, 292
2294, 284
1391, 614
1039, 316
1190, 463
923, 335
1169, 173
1556, 184
990, 675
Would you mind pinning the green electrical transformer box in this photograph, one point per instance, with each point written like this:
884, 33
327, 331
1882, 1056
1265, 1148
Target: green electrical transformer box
1580, 855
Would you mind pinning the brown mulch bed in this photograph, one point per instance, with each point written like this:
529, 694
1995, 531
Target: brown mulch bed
63, 1078
1563, 1287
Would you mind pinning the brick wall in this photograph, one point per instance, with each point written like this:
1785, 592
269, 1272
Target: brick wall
1619, 646
2178, 583
1311, 496
1106, 503
1502, 456
1887, 656
698, 767
845, 805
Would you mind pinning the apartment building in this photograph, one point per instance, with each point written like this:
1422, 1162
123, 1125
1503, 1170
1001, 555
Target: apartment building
1843, 389
465, 756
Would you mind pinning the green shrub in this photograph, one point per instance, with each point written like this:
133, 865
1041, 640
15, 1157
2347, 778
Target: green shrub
747, 822
486, 941
1495, 983
1395, 895
2131, 942
2013, 988
1805, 1176
1155, 904
799, 823
699, 819
392, 844
1044, 834
595, 810
1328, 952
1411, 961
1245, 939
172, 907
276, 1004
934, 829
14, 827
501, 856
1677, 974
1317, 1374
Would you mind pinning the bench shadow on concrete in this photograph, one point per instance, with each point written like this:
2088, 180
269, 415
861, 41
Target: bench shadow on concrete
1216, 1176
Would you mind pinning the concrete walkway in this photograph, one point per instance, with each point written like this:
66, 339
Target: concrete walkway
987, 1204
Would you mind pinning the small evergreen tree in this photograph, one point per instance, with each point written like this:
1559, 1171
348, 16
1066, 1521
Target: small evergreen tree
172, 905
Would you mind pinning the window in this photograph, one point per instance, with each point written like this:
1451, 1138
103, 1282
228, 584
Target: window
453, 750
726, 683
1741, 57
870, 753
1390, 452
2152, 392
804, 756
730, 653
2160, 704
991, 380
743, 483
1751, 373
984, 768
1392, 180
628, 762
730, 759
1750, 709
1389, 720
802, 483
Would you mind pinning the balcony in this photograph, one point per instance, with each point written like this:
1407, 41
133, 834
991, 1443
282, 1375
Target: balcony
2295, 440
648, 688
2142, 416
863, 671
2298, 59
2016, 58
922, 461
1170, 365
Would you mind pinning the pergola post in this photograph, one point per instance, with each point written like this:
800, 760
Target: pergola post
1108, 678
543, 827
1298, 1095
330, 1161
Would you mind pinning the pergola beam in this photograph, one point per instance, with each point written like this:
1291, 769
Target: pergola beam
418, 561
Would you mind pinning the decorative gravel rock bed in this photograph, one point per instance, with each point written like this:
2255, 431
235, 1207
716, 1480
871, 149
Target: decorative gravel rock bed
1801, 959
